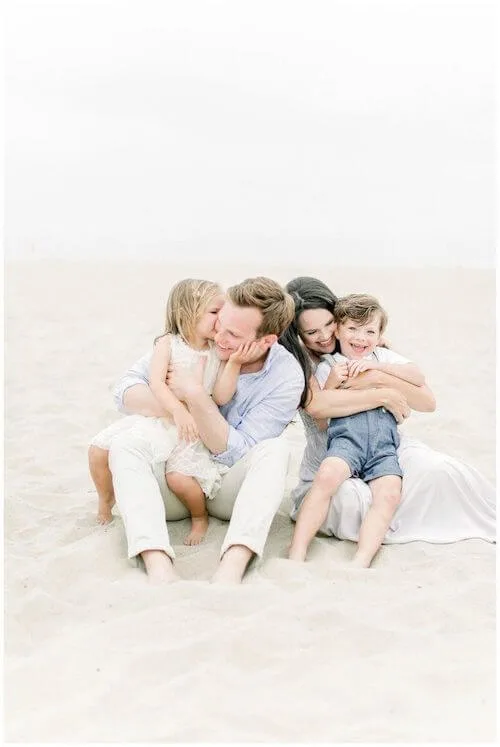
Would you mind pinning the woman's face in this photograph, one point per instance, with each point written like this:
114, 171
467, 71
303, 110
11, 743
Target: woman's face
317, 329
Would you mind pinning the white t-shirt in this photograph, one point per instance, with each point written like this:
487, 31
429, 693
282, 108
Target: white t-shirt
382, 355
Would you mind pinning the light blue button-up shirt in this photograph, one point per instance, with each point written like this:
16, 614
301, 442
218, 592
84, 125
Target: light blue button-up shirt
263, 404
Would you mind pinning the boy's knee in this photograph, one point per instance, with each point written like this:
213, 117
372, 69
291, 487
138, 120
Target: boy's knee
329, 473
176, 481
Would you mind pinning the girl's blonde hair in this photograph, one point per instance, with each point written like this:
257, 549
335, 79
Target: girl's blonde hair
187, 302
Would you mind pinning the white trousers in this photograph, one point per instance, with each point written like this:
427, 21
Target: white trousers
250, 494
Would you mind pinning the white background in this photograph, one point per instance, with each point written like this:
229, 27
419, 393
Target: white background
354, 132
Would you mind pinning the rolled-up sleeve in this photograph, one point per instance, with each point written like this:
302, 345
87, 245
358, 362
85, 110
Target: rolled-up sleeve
265, 419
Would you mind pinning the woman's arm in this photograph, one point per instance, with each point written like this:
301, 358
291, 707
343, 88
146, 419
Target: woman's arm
419, 398
337, 403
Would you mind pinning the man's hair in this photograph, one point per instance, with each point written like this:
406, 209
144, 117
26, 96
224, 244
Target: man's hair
359, 307
266, 295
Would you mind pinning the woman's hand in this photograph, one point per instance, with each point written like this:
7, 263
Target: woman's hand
184, 422
396, 403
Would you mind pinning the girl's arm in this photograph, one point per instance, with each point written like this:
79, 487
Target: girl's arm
158, 369
226, 382
227, 378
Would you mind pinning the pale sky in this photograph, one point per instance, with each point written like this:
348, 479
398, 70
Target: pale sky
360, 128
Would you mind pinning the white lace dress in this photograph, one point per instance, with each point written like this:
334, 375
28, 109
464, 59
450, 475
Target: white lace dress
193, 459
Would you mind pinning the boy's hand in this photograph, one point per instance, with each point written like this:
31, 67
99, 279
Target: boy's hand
248, 352
338, 374
184, 422
356, 367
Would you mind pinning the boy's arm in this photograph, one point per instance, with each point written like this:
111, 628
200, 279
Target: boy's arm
408, 372
226, 382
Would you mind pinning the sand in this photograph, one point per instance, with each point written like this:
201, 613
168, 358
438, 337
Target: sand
403, 652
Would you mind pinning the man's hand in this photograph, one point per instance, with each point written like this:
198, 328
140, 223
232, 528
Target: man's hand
248, 352
396, 403
338, 374
358, 366
184, 422
184, 383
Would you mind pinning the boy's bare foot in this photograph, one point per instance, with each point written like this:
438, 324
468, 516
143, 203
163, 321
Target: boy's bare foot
159, 567
296, 553
360, 561
199, 526
104, 515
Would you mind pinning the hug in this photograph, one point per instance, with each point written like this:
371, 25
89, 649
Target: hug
206, 408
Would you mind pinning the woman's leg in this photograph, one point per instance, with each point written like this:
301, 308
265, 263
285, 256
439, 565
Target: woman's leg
386, 496
103, 481
188, 490
331, 474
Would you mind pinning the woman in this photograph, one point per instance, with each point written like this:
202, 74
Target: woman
443, 499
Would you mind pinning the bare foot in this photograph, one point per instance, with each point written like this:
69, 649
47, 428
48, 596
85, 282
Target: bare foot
199, 526
360, 561
297, 553
104, 515
159, 567
233, 565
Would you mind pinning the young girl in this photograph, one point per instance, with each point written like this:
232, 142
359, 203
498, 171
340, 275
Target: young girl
363, 444
191, 474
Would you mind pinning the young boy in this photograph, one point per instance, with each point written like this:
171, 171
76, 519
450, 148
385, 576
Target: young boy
361, 445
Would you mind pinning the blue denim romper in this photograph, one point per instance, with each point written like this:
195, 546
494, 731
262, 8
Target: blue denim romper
367, 441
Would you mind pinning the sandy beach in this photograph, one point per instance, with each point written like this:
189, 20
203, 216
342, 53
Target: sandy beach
403, 652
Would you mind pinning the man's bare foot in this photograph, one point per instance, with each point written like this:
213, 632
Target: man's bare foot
297, 553
104, 515
233, 565
159, 567
199, 526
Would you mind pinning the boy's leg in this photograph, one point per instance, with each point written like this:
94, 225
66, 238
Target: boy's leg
386, 496
188, 490
103, 481
314, 509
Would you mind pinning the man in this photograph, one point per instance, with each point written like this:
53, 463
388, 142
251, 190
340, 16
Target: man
243, 436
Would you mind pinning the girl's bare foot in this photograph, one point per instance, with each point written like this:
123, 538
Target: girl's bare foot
199, 526
106, 503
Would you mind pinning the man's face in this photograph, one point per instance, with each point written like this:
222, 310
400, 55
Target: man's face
235, 326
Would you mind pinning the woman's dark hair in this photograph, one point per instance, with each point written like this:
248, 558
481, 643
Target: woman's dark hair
307, 293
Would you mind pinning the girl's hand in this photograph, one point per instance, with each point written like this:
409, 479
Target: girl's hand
186, 427
248, 352
338, 374
356, 367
